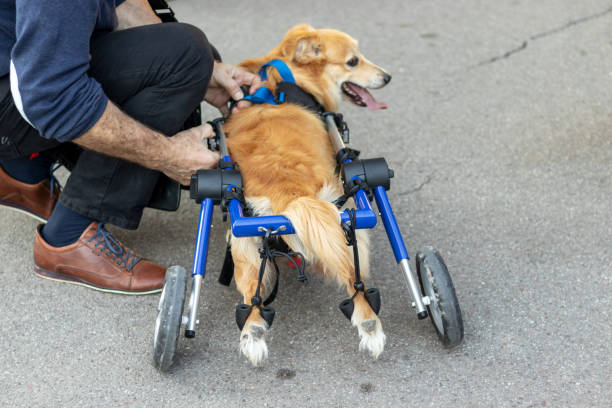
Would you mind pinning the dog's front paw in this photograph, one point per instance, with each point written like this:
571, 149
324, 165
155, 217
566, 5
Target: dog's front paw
253, 343
372, 337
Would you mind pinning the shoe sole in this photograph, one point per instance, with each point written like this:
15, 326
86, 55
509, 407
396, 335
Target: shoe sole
20, 209
58, 277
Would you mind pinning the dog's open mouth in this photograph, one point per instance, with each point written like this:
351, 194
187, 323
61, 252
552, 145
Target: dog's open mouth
361, 97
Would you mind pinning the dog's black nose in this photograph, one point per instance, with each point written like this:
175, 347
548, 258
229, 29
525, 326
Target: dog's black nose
387, 78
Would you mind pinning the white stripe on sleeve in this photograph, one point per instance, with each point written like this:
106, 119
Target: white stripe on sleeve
16, 95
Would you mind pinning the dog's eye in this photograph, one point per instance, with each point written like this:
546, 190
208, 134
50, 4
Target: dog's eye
352, 62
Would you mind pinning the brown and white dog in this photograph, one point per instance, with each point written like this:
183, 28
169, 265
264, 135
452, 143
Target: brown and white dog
288, 167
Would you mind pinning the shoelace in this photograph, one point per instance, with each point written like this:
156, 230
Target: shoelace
112, 247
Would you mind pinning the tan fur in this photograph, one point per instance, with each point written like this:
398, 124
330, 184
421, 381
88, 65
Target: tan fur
285, 155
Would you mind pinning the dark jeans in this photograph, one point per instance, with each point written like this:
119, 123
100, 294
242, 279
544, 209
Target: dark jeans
157, 74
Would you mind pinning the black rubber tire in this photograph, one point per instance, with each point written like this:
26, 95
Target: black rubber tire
169, 317
444, 309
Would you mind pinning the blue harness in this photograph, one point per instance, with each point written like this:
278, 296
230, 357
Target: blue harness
264, 95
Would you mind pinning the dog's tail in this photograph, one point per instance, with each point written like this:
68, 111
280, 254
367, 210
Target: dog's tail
319, 235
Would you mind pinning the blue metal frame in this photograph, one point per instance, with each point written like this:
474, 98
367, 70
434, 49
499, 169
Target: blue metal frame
257, 226
253, 226
390, 223
202, 239
364, 215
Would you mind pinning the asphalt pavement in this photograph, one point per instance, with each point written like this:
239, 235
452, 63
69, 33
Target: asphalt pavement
499, 132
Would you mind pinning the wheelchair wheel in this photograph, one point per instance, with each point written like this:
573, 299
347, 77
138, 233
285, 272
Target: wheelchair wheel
169, 317
444, 308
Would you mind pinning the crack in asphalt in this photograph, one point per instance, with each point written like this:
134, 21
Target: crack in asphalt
544, 34
419, 188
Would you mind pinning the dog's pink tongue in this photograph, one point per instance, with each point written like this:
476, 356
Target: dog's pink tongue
369, 100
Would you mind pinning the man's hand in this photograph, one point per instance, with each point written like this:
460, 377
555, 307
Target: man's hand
134, 13
225, 83
189, 153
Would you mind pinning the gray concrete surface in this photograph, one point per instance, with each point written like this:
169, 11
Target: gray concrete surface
499, 133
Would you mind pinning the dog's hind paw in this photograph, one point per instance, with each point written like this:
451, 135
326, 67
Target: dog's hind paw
253, 344
372, 337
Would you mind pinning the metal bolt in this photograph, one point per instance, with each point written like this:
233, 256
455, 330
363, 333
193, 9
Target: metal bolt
426, 301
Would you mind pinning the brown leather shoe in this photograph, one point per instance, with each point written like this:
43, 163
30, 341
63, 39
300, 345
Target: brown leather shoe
97, 260
35, 200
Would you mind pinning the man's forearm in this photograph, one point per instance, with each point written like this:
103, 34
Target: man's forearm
118, 135
134, 13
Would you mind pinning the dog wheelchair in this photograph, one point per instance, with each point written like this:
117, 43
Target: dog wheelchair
365, 180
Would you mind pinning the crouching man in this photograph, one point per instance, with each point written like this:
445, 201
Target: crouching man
101, 87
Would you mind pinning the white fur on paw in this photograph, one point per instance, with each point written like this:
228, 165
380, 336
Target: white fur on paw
253, 344
372, 337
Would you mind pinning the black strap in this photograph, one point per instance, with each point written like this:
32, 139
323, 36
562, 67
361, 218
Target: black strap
340, 201
264, 253
225, 164
287, 92
354, 185
346, 153
163, 11
351, 240
229, 195
267, 252
350, 189
227, 271
235, 193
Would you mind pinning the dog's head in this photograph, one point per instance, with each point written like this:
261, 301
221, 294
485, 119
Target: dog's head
329, 65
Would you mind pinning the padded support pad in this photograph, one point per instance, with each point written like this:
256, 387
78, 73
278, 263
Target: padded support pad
243, 311
267, 313
372, 295
347, 307
375, 172
213, 184
242, 314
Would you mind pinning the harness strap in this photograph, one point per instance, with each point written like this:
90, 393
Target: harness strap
268, 253
264, 253
282, 69
291, 93
287, 91
371, 295
234, 193
227, 271
346, 153
351, 240
263, 94
350, 190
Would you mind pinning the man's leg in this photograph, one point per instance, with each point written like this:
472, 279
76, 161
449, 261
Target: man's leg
154, 81
157, 74
24, 178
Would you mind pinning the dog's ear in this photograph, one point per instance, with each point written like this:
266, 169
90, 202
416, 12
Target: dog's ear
300, 29
303, 45
308, 49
